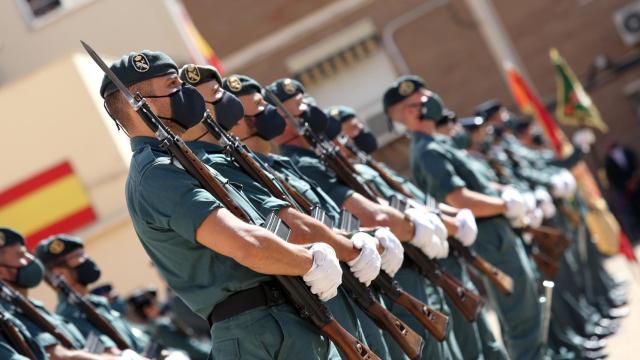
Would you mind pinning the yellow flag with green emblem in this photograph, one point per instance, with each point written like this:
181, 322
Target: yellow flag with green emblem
574, 106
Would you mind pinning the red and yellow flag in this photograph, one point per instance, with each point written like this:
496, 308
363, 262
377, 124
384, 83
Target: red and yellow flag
50, 202
529, 104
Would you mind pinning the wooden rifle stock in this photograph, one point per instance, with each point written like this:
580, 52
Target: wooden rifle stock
350, 346
502, 281
465, 301
552, 242
434, 321
10, 295
408, 340
548, 266
13, 335
60, 285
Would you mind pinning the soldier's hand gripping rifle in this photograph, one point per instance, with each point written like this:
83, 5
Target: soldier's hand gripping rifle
59, 284
410, 342
13, 335
501, 280
299, 294
10, 295
432, 320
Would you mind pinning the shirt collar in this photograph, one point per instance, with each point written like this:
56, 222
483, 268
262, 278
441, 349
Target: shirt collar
201, 147
139, 142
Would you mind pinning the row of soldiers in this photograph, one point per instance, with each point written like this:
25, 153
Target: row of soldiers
376, 251
77, 330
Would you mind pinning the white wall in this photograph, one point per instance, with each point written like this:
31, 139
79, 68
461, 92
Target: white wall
112, 27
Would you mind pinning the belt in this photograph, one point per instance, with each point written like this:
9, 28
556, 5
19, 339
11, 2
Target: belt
268, 293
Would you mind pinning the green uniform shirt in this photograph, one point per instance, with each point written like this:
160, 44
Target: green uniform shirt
8, 351
167, 206
71, 313
439, 168
44, 338
312, 167
307, 187
214, 156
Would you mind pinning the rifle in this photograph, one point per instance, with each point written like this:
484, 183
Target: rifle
13, 335
410, 342
8, 294
434, 321
552, 242
465, 301
502, 281
60, 285
308, 304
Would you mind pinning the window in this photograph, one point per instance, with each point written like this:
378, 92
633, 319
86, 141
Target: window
38, 13
349, 68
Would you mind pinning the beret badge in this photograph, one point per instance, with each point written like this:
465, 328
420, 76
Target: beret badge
406, 88
140, 62
289, 87
193, 74
234, 83
56, 247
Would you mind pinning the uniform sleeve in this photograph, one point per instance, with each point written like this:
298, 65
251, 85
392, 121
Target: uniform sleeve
327, 181
442, 177
172, 198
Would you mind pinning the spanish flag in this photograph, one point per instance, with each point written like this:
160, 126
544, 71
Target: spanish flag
50, 202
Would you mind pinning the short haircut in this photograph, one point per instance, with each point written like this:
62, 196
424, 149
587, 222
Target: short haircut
116, 104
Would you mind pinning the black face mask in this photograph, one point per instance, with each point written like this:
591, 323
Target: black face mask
88, 272
228, 110
30, 275
366, 141
269, 123
316, 119
333, 129
187, 106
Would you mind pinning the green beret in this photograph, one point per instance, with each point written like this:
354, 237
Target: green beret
195, 75
471, 123
57, 246
9, 236
137, 67
240, 85
488, 108
340, 112
521, 125
401, 89
285, 89
142, 296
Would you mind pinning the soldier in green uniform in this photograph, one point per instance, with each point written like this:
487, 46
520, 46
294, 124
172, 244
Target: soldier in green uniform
414, 227
475, 339
64, 255
145, 305
10, 351
561, 334
220, 265
252, 129
442, 171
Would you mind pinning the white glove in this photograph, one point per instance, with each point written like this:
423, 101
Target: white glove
426, 236
366, 266
546, 202
563, 184
570, 181
535, 218
129, 354
467, 227
516, 207
325, 274
393, 253
583, 139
